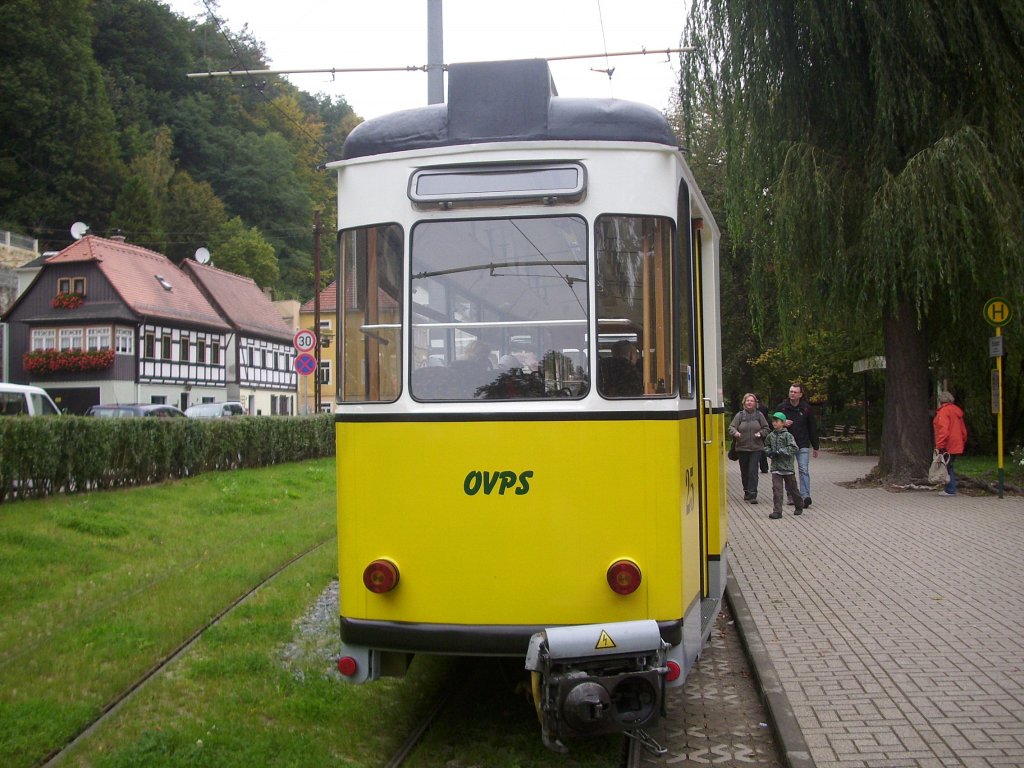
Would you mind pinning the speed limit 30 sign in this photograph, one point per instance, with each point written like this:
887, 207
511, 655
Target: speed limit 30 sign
305, 340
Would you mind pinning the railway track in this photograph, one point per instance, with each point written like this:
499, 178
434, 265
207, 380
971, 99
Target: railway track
716, 717
56, 756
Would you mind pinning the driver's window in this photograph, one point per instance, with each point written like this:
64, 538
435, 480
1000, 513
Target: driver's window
635, 328
370, 313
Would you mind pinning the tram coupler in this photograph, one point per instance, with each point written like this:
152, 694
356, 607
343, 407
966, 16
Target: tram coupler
597, 678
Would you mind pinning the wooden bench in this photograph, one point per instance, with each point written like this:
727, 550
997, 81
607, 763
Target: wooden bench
837, 437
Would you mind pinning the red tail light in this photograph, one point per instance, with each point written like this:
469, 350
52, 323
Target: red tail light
624, 577
380, 576
347, 666
674, 671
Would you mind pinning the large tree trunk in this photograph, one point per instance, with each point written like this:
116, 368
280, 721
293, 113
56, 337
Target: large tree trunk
906, 431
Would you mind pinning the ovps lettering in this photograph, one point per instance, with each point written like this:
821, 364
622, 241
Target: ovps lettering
500, 481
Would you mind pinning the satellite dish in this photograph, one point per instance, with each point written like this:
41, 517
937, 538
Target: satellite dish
202, 256
79, 230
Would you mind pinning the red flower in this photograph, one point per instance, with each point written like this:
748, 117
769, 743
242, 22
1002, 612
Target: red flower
48, 361
65, 300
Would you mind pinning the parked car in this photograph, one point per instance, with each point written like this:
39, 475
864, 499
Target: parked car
214, 410
25, 400
131, 410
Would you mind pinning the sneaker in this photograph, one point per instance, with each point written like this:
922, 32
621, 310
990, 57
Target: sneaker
789, 503
775, 515
752, 499
807, 502
946, 493
798, 511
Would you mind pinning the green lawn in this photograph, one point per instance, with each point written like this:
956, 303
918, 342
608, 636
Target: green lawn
97, 588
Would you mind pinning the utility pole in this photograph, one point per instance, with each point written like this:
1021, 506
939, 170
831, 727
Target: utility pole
316, 307
435, 53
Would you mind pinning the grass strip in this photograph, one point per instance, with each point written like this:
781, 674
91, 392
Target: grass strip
238, 698
96, 588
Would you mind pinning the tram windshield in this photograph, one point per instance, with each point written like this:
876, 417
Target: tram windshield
499, 309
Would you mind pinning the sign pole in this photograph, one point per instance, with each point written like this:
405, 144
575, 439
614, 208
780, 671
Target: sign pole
999, 419
997, 313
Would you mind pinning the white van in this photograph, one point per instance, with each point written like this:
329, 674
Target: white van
23, 400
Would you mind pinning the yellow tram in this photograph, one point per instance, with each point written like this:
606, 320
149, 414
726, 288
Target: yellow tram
529, 418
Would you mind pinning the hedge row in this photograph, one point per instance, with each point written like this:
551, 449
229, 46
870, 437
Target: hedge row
40, 456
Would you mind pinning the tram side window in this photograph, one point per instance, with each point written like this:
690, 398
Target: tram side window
635, 307
370, 314
499, 309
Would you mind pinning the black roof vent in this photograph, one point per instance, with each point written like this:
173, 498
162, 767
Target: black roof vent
497, 99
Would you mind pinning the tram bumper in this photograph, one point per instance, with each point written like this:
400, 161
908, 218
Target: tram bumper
597, 678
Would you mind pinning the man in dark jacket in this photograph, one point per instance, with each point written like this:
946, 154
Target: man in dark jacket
800, 423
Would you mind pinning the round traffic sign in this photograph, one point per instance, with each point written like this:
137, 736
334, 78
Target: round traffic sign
305, 340
305, 364
997, 312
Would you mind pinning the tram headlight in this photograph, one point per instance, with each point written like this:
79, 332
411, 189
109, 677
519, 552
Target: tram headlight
624, 577
380, 576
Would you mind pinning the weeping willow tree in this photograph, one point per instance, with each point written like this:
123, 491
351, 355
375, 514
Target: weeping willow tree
875, 169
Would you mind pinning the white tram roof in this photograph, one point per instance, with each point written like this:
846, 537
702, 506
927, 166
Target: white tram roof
507, 101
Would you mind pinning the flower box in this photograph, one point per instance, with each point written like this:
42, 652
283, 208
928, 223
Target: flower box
50, 361
65, 300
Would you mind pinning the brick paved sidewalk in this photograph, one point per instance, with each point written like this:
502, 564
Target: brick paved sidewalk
891, 623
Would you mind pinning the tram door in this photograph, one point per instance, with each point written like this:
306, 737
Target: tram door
707, 463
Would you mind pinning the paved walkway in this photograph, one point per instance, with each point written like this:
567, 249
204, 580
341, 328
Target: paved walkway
887, 628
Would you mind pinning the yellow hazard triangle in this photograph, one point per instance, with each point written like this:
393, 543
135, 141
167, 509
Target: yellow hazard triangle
604, 641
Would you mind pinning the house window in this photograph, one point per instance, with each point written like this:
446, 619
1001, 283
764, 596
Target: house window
124, 342
149, 349
325, 372
200, 350
71, 338
44, 338
71, 285
165, 347
183, 350
97, 339
215, 352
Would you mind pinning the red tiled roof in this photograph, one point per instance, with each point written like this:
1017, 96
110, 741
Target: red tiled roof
239, 300
328, 299
136, 272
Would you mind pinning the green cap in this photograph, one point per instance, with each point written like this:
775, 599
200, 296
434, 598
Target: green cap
778, 415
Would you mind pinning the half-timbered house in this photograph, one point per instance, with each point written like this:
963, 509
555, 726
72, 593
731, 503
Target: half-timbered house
105, 321
260, 370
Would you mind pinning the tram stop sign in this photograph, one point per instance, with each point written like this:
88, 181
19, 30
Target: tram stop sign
997, 312
305, 364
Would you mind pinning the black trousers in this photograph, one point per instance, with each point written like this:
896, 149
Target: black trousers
749, 462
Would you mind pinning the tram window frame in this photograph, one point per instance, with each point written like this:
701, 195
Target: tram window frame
637, 279
688, 242
370, 316
476, 285
449, 186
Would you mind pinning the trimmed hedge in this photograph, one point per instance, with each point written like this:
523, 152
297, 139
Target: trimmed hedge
40, 456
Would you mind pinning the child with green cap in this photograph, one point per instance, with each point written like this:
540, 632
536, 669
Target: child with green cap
781, 449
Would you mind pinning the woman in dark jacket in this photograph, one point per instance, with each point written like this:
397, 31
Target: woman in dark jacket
749, 429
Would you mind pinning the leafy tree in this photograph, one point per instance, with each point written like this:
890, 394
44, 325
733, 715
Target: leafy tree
876, 169
58, 157
137, 215
192, 216
244, 252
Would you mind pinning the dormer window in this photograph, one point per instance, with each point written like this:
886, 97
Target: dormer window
71, 285
163, 282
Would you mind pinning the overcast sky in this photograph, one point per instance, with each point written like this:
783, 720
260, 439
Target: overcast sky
321, 34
